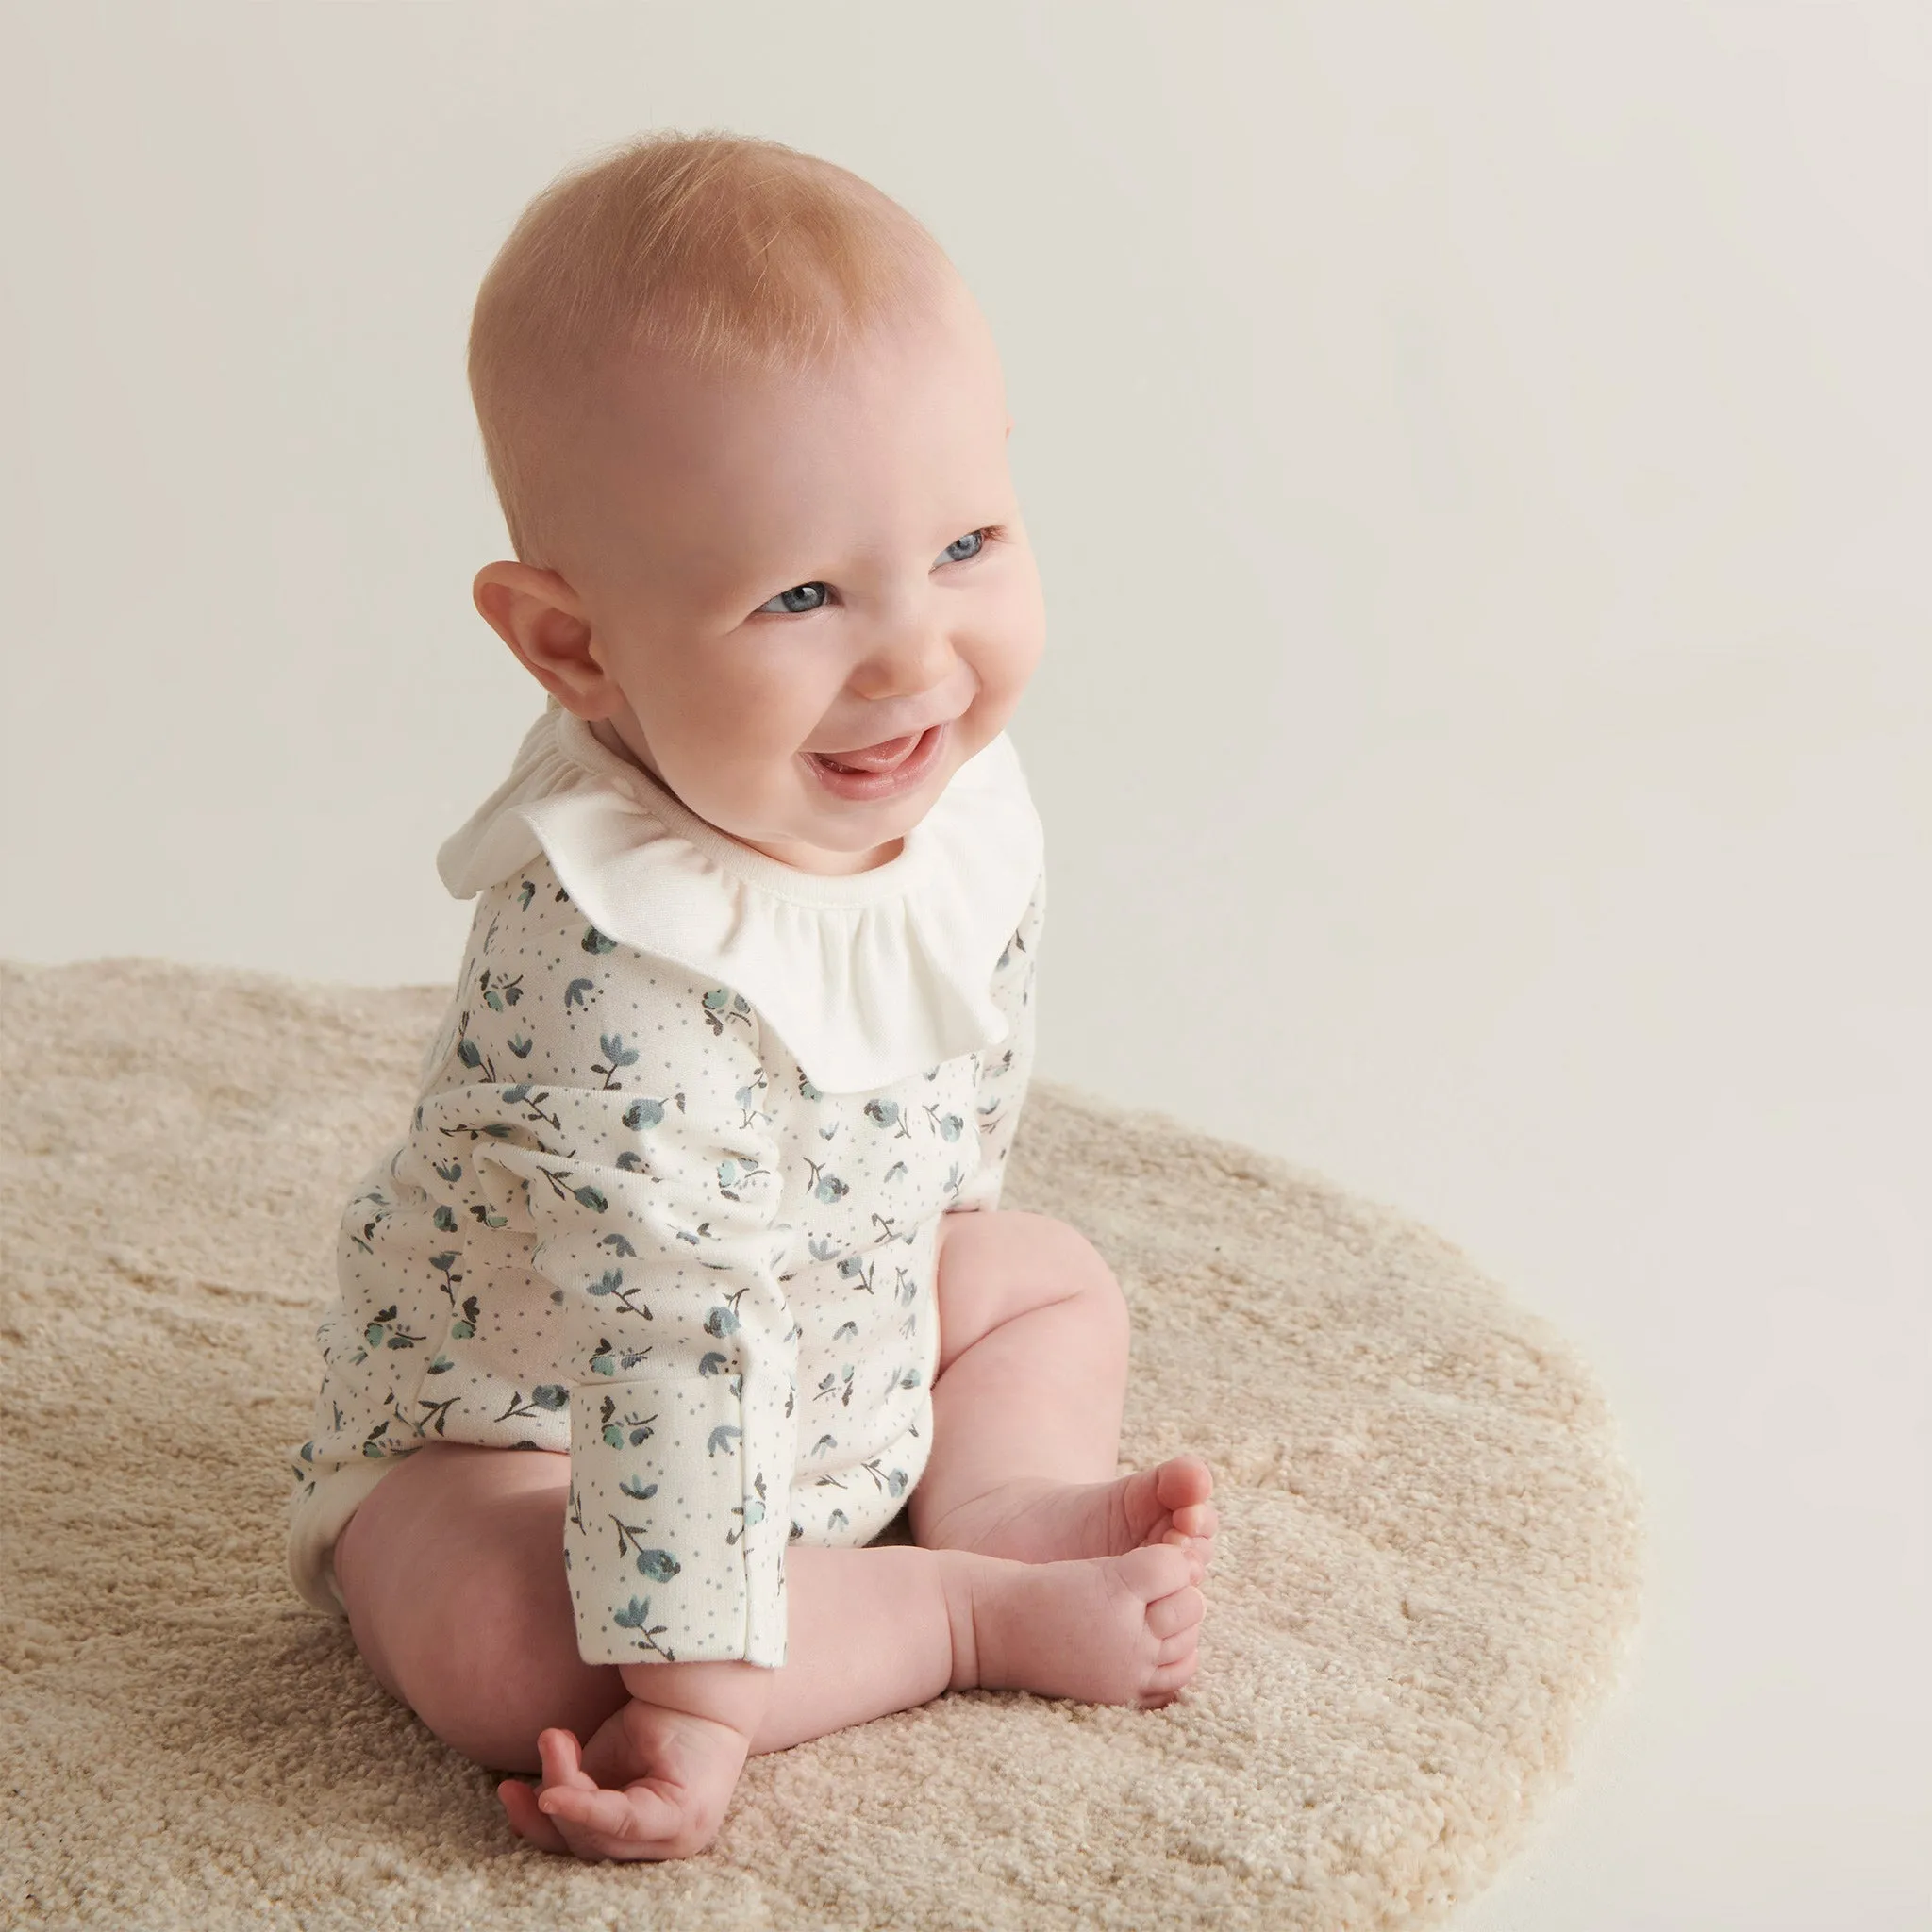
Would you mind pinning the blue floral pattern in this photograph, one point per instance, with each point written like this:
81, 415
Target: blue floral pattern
624, 1224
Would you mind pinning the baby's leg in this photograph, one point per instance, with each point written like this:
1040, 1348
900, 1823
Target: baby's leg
1028, 1401
870, 1631
451, 1574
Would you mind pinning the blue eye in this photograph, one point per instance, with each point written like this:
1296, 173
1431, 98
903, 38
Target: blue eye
799, 597
803, 597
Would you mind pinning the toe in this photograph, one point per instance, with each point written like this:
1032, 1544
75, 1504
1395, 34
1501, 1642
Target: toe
1197, 1519
1156, 1570
1183, 1480
1181, 1645
1137, 1511
1172, 1614
1165, 1682
1198, 1550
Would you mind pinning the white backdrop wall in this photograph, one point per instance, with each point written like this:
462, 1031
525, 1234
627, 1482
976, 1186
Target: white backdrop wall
1478, 462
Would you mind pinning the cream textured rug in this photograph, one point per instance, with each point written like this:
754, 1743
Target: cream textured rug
1427, 1567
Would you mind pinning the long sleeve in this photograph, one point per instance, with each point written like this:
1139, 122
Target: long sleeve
661, 1206
646, 1208
1007, 1069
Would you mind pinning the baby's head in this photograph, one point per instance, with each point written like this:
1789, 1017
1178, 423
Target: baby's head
749, 433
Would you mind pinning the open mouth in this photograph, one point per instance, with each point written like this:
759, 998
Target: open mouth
872, 757
879, 770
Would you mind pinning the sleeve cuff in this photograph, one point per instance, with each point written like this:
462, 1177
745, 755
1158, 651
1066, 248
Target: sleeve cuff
674, 1537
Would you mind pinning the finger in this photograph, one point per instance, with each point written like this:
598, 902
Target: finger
563, 1761
520, 1807
633, 1817
590, 1843
592, 1822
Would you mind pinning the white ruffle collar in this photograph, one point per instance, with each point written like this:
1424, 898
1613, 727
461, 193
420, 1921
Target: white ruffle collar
866, 978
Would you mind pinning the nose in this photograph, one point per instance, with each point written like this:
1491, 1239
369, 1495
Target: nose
905, 659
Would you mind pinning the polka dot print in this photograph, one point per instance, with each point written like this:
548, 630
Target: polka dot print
624, 1224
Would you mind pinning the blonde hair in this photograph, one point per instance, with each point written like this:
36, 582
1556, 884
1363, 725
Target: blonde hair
729, 251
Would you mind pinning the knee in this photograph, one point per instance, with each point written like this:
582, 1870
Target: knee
466, 1683
462, 1607
1111, 1304
1070, 1258
505, 1675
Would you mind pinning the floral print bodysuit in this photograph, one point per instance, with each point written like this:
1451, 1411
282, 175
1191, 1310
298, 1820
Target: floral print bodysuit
627, 1223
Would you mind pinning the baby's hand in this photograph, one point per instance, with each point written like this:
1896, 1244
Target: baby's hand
651, 1784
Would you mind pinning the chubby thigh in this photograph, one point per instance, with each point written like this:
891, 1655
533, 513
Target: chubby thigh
452, 1574
451, 1571
994, 1265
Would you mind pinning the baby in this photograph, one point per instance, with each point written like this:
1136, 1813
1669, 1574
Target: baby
698, 1207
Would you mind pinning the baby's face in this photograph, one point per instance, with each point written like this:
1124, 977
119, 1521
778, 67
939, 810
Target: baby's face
765, 569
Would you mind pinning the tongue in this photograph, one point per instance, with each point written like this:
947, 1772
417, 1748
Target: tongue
875, 757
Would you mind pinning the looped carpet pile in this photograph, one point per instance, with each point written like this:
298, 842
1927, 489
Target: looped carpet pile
1427, 1570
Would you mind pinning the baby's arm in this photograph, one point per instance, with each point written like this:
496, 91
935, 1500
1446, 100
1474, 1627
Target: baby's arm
1007, 1069
595, 1122
640, 1193
652, 1201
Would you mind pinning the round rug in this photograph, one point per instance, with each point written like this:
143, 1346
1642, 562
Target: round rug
1426, 1568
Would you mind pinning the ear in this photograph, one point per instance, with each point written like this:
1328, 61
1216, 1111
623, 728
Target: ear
543, 622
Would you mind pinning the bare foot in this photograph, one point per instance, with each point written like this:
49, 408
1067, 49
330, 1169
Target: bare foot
1107, 1630
1036, 1521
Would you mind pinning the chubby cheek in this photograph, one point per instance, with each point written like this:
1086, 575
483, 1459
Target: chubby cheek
736, 769
1004, 647
751, 725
